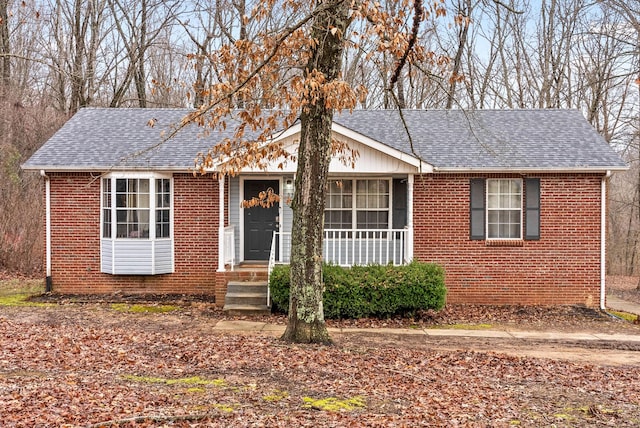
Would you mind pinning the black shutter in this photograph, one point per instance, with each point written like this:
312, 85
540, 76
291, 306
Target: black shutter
532, 211
477, 209
399, 203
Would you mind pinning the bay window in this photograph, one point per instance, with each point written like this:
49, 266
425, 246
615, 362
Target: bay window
136, 224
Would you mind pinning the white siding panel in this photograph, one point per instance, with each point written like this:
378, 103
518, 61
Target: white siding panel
287, 218
369, 161
163, 255
106, 252
134, 257
234, 210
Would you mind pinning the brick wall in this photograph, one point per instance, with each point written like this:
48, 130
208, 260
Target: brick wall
563, 267
75, 237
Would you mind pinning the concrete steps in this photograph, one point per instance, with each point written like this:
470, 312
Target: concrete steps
247, 292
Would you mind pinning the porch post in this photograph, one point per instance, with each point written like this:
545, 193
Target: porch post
409, 254
221, 248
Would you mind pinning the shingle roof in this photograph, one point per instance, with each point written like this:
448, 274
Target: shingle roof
101, 138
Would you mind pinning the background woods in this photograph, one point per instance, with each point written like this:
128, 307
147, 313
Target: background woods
58, 56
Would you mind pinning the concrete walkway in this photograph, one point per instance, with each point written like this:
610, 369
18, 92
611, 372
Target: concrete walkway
613, 303
618, 304
256, 326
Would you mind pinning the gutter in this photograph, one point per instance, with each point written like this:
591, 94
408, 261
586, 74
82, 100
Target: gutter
603, 237
47, 183
531, 170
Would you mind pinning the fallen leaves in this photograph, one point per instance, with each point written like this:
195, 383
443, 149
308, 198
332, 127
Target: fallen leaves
91, 366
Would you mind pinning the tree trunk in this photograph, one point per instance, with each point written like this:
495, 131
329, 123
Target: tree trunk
306, 317
5, 64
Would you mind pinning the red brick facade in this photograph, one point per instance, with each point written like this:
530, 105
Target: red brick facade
75, 237
563, 267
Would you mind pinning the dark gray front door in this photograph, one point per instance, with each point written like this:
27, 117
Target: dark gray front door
259, 222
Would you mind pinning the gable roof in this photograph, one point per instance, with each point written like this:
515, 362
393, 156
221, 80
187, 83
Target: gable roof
448, 140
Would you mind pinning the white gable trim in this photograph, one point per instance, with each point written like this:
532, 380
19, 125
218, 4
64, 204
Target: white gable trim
376, 145
290, 137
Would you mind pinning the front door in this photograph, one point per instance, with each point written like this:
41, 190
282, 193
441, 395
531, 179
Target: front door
259, 222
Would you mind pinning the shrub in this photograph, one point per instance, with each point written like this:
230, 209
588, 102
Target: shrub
379, 291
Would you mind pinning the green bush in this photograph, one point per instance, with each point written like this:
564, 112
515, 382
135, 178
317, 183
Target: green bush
379, 291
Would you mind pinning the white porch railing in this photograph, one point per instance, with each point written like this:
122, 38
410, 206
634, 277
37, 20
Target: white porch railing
348, 247
365, 246
229, 246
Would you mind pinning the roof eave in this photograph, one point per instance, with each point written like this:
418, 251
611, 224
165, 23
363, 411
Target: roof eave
93, 168
583, 169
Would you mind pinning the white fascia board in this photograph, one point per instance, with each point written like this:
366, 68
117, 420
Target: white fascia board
106, 169
422, 166
516, 170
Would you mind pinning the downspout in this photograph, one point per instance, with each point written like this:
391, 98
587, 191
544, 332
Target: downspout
47, 210
603, 237
221, 249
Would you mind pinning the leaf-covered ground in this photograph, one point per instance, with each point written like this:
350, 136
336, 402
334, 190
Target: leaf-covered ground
80, 365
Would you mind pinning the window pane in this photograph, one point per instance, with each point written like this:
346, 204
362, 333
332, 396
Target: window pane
492, 201
504, 203
143, 201
106, 223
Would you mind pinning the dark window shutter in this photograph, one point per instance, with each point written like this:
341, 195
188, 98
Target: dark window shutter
532, 212
477, 209
399, 203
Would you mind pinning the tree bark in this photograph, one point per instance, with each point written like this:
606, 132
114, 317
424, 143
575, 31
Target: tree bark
5, 64
306, 317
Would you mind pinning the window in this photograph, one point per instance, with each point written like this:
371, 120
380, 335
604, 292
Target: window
133, 207
504, 209
106, 208
339, 205
136, 224
370, 210
372, 207
163, 207
499, 207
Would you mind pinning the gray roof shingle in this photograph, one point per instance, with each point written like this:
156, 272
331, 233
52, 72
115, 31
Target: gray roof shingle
102, 138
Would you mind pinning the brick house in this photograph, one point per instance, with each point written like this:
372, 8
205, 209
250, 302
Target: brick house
510, 202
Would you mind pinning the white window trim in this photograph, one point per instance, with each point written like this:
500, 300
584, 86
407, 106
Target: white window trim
487, 209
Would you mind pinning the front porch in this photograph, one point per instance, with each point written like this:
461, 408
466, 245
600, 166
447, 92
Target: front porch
247, 288
368, 215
